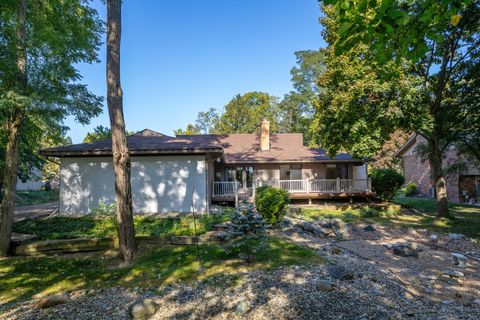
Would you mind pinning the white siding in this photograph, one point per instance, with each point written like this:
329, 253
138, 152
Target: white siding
159, 184
34, 183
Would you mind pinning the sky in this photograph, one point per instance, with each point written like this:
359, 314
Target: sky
182, 57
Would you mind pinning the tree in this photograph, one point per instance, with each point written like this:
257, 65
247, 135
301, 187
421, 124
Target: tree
385, 157
101, 133
244, 113
207, 120
190, 130
121, 157
41, 41
434, 43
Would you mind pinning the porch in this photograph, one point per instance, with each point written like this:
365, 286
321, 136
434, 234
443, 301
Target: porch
298, 189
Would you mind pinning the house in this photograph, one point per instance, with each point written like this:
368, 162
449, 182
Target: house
33, 183
184, 172
463, 185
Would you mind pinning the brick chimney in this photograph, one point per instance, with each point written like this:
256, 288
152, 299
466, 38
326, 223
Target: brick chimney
265, 135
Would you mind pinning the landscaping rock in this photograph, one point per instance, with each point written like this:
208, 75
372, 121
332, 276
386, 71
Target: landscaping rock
382, 315
340, 228
370, 228
406, 249
459, 259
389, 246
142, 309
340, 273
150, 305
51, 301
314, 228
242, 307
454, 273
477, 301
324, 285
336, 250
433, 238
138, 311
455, 236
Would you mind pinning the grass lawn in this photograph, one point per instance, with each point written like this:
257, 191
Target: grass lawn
22, 278
98, 227
466, 221
25, 198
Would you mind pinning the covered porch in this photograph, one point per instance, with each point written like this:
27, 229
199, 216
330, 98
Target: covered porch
306, 181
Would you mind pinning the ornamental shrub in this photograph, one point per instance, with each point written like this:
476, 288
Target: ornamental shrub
386, 182
271, 203
247, 232
411, 189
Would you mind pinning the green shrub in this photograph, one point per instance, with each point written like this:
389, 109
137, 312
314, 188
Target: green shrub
411, 189
248, 232
104, 210
386, 182
271, 203
366, 212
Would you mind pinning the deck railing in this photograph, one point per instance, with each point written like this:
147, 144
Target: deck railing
230, 188
324, 185
225, 188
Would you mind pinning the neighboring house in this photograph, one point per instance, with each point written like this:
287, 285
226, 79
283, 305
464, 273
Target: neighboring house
176, 173
34, 182
462, 185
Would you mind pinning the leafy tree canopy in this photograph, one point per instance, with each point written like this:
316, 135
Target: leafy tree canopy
101, 133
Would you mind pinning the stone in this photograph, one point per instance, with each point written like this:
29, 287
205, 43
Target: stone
315, 229
382, 315
405, 250
388, 245
446, 302
453, 273
455, 236
477, 301
370, 228
293, 210
336, 250
51, 301
150, 305
242, 307
138, 310
340, 273
433, 238
459, 259
324, 285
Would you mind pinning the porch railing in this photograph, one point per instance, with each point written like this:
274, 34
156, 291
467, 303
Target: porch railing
225, 188
230, 188
324, 185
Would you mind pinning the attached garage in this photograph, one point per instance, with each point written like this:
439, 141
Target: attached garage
159, 184
168, 174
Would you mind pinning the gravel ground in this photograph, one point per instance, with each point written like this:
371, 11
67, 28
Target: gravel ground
349, 287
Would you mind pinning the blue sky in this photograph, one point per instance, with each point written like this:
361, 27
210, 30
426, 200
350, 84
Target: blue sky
182, 57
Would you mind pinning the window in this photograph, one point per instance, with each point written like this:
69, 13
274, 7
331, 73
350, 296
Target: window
291, 172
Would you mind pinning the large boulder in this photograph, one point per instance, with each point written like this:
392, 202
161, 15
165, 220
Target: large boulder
51, 301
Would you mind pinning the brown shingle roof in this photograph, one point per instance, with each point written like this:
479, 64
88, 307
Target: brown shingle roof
284, 147
141, 143
237, 148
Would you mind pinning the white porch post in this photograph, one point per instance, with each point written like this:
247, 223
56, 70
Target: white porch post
338, 184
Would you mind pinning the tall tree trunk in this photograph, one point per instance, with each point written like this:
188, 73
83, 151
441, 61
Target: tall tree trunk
121, 157
14, 127
435, 159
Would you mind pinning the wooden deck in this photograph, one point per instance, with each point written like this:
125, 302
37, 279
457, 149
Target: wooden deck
304, 196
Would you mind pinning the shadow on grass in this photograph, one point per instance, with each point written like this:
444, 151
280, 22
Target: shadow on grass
23, 278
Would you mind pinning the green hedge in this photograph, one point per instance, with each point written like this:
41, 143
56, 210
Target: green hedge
271, 203
386, 182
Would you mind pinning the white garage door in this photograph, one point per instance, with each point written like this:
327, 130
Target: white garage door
159, 184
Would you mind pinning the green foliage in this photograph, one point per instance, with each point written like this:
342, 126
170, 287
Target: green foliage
104, 210
59, 36
349, 215
24, 277
386, 182
190, 130
244, 113
271, 203
25, 198
248, 232
411, 189
101, 133
104, 225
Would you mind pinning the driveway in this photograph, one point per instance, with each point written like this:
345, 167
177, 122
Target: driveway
35, 211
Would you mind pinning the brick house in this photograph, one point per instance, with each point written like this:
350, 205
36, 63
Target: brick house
462, 185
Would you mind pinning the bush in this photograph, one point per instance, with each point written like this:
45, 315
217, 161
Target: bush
411, 189
271, 203
248, 230
386, 182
